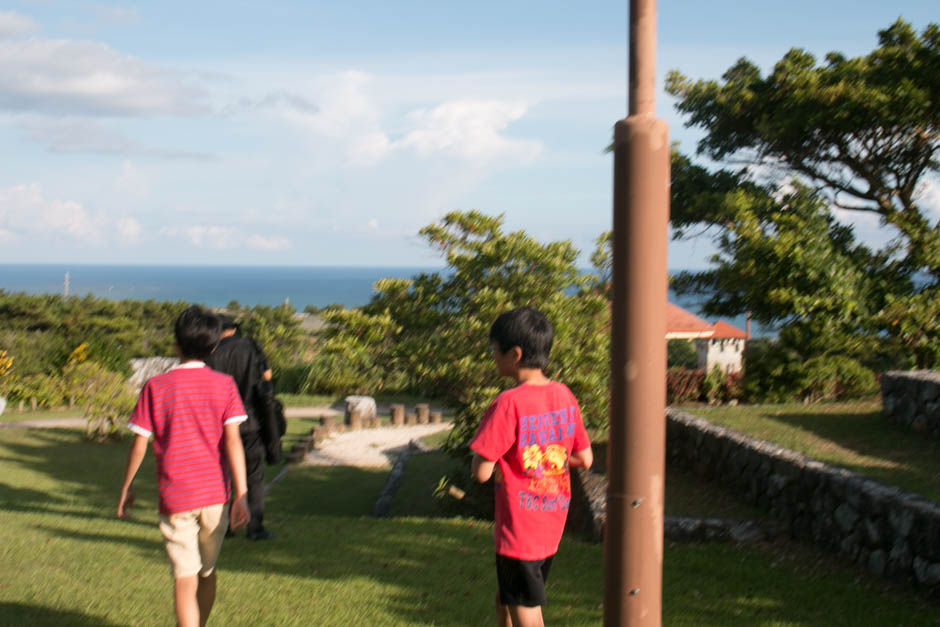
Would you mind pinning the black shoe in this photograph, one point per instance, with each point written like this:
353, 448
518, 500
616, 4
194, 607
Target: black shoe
264, 534
229, 533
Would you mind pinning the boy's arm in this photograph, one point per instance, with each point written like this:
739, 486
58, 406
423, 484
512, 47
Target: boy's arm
134, 458
482, 468
235, 453
581, 459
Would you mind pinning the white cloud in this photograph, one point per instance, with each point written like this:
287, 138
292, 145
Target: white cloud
14, 24
25, 211
131, 181
128, 230
928, 197
58, 76
349, 115
373, 224
344, 113
226, 238
471, 130
117, 15
259, 242
79, 135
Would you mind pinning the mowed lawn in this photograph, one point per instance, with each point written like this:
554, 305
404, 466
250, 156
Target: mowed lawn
853, 435
67, 561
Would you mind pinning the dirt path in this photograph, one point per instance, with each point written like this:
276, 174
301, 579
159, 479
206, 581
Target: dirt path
368, 447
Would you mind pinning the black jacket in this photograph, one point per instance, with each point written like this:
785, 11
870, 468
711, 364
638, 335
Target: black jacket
243, 360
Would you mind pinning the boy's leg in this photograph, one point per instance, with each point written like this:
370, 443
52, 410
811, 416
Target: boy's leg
184, 600
205, 595
213, 522
503, 618
526, 616
180, 534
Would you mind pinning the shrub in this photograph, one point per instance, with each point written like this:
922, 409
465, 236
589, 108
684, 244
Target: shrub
836, 377
683, 385
772, 372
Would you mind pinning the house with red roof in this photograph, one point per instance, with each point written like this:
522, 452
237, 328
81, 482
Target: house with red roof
720, 344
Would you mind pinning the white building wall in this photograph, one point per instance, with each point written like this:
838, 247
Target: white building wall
728, 354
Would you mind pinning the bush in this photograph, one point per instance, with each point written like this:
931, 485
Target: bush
775, 373
294, 379
683, 385
772, 372
836, 377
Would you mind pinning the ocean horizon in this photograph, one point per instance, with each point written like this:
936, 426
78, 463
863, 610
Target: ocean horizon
217, 286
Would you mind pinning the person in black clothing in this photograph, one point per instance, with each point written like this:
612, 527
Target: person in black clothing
243, 359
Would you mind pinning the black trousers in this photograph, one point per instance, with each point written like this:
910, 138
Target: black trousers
254, 467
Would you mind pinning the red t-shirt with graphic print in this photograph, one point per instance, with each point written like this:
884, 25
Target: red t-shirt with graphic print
186, 410
530, 431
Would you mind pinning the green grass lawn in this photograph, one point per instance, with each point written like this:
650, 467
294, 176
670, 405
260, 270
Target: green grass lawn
11, 415
67, 560
852, 435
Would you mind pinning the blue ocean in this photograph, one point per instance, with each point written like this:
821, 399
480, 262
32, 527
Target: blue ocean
217, 286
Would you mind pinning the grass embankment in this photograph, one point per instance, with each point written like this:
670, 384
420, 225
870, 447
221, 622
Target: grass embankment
67, 560
852, 435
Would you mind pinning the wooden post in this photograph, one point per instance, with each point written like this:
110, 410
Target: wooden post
436, 417
398, 414
422, 410
411, 419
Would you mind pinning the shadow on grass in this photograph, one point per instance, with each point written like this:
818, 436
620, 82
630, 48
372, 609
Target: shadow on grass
55, 470
37, 615
693, 496
867, 444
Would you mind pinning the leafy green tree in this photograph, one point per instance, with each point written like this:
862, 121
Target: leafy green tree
681, 354
865, 132
866, 129
276, 330
430, 334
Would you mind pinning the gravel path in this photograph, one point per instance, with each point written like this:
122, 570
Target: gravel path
368, 447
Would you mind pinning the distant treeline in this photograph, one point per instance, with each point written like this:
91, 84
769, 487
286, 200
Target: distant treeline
44, 334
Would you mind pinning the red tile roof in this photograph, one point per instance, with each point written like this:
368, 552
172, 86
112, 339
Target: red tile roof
682, 324
725, 331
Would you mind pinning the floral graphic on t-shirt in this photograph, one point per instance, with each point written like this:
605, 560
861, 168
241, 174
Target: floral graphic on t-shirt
546, 469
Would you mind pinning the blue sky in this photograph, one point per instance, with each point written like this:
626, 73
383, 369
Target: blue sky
314, 133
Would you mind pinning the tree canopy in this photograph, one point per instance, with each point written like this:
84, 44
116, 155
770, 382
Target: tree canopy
430, 334
858, 134
865, 130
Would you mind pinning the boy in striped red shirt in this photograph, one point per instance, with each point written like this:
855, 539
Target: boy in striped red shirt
193, 413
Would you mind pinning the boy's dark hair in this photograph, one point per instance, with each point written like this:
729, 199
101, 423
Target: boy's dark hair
197, 333
528, 329
227, 322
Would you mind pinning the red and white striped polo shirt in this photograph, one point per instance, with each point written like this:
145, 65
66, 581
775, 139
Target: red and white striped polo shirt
185, 410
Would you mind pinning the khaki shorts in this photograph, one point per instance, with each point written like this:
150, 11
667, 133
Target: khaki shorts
193, 539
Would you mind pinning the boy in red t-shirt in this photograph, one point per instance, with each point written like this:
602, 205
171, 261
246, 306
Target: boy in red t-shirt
193, 413
529, 438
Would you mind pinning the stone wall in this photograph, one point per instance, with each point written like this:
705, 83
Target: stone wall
912, 399
892, 533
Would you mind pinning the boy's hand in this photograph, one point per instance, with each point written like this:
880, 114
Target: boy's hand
125, 504
239, 515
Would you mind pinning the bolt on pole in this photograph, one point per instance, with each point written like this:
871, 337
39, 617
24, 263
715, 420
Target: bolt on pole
633, 541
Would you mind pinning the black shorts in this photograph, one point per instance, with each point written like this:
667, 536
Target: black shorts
522, 582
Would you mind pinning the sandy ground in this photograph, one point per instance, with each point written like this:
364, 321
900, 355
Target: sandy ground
369, 447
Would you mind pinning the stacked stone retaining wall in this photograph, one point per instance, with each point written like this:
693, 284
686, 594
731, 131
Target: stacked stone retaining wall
892, 533
912, 399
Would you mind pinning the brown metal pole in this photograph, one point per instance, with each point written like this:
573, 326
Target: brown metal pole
633, 542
